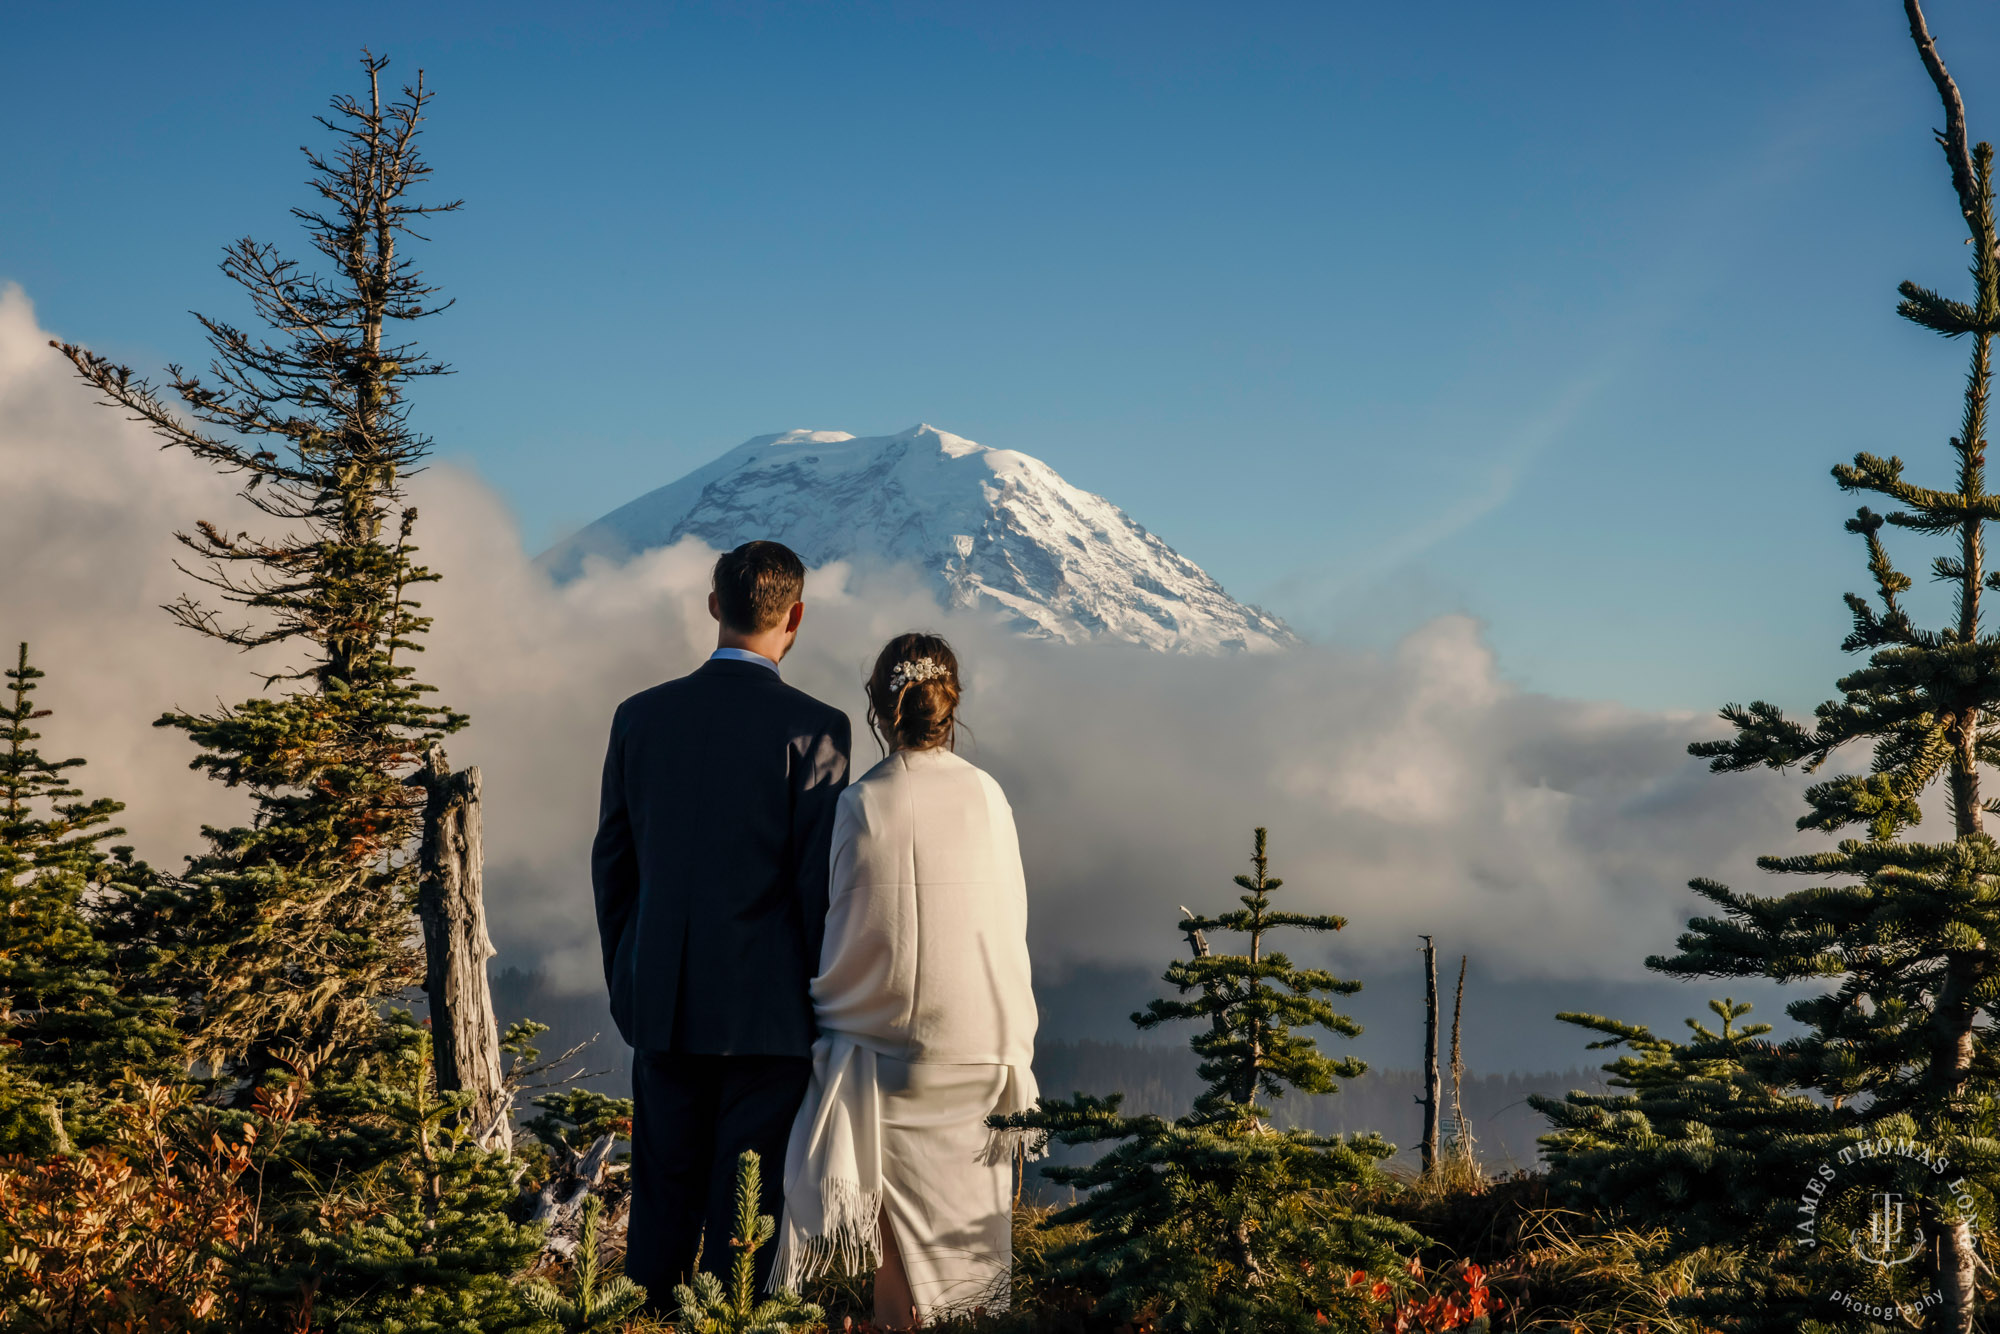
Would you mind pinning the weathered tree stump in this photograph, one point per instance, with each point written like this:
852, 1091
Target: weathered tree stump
574, 1176
465, 1036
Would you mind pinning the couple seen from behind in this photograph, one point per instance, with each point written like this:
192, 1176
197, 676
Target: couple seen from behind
832, 974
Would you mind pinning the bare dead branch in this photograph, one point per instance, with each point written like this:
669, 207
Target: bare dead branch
1952, 138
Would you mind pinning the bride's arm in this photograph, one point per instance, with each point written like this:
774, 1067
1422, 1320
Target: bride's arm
1021, 1011
862, 989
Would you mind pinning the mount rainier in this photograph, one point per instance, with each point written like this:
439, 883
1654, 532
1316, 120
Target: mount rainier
993, 527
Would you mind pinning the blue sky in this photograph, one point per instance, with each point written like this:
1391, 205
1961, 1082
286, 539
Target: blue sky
1554, 314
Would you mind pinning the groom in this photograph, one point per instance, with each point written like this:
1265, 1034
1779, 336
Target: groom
710, 872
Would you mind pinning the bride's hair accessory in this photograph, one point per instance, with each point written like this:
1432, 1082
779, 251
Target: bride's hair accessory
917, 669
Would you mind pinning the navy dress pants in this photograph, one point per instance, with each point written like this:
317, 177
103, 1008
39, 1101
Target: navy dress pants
692, 1116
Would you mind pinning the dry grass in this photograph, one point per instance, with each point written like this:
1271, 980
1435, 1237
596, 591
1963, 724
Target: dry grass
1586, 1281
1583, 1279
1454, 1175
1558, 1269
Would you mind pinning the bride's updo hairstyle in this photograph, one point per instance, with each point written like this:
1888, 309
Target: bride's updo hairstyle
913, 693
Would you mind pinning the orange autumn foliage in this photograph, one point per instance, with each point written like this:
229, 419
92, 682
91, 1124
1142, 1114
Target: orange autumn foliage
129, 1238
1464, 1298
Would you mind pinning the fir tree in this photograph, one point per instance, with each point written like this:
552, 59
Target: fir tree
1695, 1146
574, 1118
590, 1307
706, 1307
67, 1024
290, 929
1905, 931
1217, 1221
1255, 1003
381, 1213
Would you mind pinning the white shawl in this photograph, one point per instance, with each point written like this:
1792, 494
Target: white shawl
926, 960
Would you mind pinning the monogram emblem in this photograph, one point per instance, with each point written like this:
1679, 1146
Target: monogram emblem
1884, 1243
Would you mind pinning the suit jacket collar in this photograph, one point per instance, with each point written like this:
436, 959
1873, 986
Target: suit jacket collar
736, 667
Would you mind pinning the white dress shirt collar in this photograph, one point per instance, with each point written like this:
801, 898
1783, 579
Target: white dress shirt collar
743, 655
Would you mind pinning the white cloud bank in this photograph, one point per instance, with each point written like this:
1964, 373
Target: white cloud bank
1413, 791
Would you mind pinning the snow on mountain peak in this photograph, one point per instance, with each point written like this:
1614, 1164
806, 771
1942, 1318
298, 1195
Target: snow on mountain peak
995, 528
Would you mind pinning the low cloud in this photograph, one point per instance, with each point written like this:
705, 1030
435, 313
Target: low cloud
88, 510
1411, 791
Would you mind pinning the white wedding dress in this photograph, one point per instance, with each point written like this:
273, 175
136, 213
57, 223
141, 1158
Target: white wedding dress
927, 1026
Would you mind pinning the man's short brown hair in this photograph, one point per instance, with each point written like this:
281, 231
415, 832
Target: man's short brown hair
756, 584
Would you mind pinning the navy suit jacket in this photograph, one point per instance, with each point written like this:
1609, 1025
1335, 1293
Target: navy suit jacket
710, 864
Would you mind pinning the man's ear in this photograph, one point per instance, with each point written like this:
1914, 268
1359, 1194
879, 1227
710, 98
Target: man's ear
793, 617
715, 607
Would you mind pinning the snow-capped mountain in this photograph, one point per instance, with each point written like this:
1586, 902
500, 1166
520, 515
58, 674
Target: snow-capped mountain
994, 527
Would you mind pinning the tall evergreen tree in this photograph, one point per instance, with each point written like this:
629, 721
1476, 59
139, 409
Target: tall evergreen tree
290, 929
68, 1026
1217, 1222
1907, 932
287, 938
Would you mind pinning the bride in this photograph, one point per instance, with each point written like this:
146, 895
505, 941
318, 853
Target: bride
926, 1018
